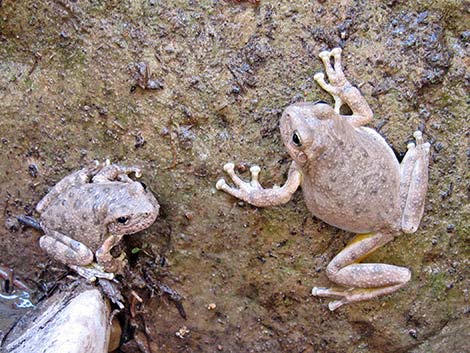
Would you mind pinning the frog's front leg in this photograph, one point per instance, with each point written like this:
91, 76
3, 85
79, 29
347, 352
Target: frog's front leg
104, 257
363, 280
342, 90
254, 193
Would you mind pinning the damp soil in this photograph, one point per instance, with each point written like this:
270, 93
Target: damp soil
179, 88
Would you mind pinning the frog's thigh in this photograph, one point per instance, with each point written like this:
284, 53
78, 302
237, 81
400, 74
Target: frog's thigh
65, 249
366, 281
345, 270
414, 183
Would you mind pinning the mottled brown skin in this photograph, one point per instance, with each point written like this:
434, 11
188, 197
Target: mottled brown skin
88, 212
351, 179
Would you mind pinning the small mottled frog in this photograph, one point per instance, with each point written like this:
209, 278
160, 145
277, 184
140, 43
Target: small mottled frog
89, 211
350, 179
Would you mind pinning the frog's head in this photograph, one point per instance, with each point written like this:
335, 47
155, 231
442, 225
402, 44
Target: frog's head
305, 128
132, 208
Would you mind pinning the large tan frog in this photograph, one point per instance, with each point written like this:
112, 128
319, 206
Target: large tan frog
89, 211
350, 179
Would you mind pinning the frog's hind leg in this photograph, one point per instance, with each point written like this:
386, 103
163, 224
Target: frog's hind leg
363, 280
414, 183
65, 249
72, 253
113, 172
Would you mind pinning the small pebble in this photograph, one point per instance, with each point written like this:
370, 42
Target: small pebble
413, 333
33, 170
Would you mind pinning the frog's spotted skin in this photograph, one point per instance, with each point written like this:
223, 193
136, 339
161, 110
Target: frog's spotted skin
351, 179
87, 213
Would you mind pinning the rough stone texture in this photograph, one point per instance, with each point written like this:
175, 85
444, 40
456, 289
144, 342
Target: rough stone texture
69, 94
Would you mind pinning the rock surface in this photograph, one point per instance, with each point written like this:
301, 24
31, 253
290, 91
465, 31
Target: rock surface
68, 322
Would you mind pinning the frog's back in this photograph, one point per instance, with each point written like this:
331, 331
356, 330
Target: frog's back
79, 213
354, 185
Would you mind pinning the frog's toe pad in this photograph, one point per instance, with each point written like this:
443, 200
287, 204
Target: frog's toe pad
319, 291
221, 184
335, 304
336, 51
229, 167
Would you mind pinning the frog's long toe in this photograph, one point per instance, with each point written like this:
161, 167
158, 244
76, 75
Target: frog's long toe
324, 54
254, 170
221, 184
244, 190
318, 291
330, 293
335, 304
336, 52
230, 170
418, 135
320, 78
327, 292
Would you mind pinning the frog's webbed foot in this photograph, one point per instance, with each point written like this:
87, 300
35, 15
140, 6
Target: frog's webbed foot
414, 183
253, 193
245, 190
342, 90
335, 75
113, 172
362, 281
334, 72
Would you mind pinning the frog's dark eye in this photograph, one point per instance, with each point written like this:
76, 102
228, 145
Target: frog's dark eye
123, 220
296, 139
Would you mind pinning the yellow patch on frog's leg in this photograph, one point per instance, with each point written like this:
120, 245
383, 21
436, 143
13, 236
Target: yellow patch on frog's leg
358, 238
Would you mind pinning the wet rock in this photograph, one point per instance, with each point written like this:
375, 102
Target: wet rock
12, 224
144, 78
